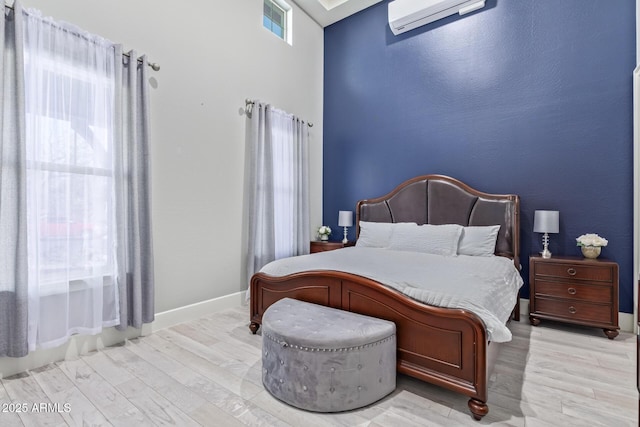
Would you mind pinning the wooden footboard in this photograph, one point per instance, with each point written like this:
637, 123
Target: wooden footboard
446, 347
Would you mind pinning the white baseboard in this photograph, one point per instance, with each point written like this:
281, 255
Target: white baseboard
78, 344
625, 320
82, 344
169, 318
524, 308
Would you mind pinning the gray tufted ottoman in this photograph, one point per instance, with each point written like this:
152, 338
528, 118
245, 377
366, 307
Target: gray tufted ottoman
326, 360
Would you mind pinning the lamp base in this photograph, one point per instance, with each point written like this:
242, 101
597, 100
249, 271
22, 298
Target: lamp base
345, 241
545, 246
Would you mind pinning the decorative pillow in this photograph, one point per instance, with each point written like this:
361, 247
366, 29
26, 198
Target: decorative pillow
478, 241
430, 239
374, 234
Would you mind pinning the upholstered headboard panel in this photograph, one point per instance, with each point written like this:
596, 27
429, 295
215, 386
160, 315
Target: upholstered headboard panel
438, 199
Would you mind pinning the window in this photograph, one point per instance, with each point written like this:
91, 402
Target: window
70, 172
276, 17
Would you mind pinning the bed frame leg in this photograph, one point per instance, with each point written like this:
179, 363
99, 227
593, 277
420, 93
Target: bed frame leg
478, 408
253, 326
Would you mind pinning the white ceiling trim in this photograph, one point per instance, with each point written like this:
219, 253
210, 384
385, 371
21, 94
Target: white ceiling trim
326, 12
330, 4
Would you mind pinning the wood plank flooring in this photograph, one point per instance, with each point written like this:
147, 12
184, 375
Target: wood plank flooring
207, 372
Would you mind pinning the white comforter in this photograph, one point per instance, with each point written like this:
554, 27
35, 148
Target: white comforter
486, 286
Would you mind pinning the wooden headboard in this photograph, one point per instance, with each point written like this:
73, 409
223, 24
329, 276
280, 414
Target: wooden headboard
439, 199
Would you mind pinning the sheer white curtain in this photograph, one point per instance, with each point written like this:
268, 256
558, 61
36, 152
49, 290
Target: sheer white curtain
277, 186
69, 92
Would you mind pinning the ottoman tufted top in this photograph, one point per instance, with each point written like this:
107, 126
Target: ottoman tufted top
303, 324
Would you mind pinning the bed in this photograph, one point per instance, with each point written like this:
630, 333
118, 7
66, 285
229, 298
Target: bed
464, 355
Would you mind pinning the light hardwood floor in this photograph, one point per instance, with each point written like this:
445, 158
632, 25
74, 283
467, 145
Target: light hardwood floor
207, 372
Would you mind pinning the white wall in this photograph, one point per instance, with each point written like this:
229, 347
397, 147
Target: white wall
213, 55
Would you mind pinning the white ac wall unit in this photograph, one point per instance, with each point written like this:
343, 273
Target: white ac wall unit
405, 15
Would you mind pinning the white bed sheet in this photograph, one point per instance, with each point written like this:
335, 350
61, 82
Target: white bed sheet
486, 286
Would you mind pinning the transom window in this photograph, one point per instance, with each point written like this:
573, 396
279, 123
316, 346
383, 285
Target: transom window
276, 17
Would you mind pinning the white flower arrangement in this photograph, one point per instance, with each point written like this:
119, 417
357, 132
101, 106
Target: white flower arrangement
324, 230
591, 240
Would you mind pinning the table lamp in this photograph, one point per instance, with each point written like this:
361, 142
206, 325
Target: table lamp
546, 222
345, 219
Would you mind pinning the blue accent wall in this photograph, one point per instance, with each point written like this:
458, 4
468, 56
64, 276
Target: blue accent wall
525, 97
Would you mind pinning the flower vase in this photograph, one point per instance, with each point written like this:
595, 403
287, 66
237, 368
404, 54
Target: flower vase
591, 252
324, 237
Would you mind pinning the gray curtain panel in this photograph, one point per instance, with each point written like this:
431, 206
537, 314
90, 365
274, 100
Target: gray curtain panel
302, 235
261, 248
133, 194
13, 179
278, 226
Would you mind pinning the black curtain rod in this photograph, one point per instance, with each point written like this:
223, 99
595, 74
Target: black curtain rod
153, 65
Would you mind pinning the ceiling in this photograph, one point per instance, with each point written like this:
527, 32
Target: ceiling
326, 12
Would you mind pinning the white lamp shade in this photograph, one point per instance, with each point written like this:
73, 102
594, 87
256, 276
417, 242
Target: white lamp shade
546, 222
345, 219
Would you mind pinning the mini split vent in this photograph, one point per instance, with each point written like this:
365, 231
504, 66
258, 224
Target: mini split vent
405, 15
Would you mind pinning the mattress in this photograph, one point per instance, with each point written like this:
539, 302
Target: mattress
484, 285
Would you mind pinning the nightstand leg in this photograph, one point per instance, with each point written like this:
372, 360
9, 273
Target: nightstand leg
534, 320
611, 333
478, 408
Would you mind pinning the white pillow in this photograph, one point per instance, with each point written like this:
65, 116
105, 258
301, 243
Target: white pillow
374, 234
430, 239
377, 234
478, 241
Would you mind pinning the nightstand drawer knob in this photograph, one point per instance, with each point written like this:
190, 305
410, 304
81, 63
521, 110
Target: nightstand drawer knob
572, 310
571, 271
572, 291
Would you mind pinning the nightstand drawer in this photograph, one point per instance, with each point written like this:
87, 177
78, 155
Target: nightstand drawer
573, 291
574, 310
599, 273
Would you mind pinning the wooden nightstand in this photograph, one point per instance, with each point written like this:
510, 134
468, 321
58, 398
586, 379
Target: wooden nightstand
321, 246
574, 290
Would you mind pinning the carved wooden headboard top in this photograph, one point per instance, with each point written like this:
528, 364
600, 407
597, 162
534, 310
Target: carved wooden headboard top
439, 199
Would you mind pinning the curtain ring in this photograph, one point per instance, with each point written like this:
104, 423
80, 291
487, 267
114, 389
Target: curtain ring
248, 109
